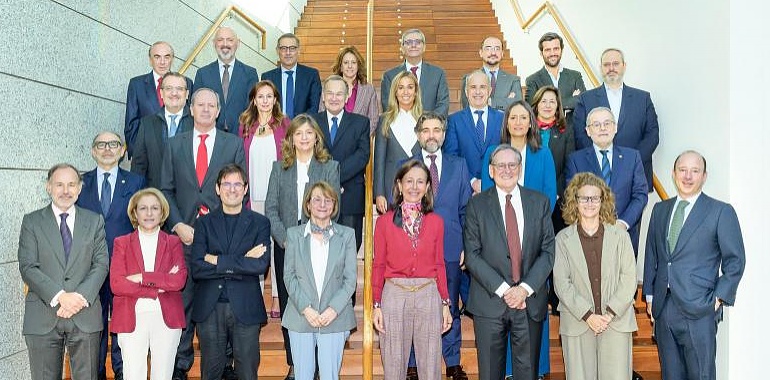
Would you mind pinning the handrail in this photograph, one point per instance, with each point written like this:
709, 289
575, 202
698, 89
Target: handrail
368, 338
231, 9
548, 8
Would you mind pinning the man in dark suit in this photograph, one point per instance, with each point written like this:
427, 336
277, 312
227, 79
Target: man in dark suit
106, 191
509, 251
620, 167
505, 88
299, 85
451, 192
633, 109
432, 79
472, 130
230, 78
694, 260
63, 260
190, 166
346, 136
144, 92
156, 129
568, 82
228, 256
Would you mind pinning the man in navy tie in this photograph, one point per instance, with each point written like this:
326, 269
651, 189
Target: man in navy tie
298, 85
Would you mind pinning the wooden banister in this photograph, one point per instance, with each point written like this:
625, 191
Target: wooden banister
368, 339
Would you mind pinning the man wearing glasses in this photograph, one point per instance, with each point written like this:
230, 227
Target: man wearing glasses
637, 122
432, 79
106, 191
505, 87
144, 92
155, 130
299, 85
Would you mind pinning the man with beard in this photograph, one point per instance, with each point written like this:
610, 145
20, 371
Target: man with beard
637, 122
230, 78
568, 82
505, 87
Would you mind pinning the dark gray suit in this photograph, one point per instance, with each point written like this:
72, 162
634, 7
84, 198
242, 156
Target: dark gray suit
569, 81
489, 263
44, 269
433, 87
505, 84
151, 140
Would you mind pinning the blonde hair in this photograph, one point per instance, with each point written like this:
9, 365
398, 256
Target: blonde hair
134, 202
328, 191
287, 147
389, 116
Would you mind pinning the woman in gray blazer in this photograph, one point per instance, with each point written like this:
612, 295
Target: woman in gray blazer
320, 276
595, 279
305, 162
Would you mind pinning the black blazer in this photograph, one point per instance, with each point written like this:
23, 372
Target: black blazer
150, 143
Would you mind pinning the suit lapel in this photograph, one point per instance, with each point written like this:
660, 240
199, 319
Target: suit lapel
218, 219
626, 99
618, 166
52, 233
668, 208
608, 255
305, 257
528, 230
471, 127
592, 161
342, 127
577, 257
323, 123
135, 249
601, 97
696, 217
335, 250
493, 207
77, 237
188, 152
216, 157
151, 90
160, 252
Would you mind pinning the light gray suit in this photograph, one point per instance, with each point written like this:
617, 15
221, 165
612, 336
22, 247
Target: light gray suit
44, 269
433, 87
505, 85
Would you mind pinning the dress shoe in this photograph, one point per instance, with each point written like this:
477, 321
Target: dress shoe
229, 373
290, 374
118, 376
179, 374
636, 376
411, 373
456, 372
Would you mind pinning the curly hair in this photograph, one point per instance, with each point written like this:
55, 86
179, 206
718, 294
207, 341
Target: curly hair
569, 209
289, 153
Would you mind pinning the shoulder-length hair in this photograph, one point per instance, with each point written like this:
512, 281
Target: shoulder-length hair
328, 191
337, 67
389, 116
287, 147
561, 121
569, 209
134, 202
249, 119
533, 135
398, 197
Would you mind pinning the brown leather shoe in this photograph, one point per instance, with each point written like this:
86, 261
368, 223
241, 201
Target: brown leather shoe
411, 373
456, 372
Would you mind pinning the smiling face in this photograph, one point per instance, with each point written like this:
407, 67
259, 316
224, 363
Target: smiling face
491, 51
504, 169
288, 52
265, 99
518, 122
64, 188
148, 212
321, 206
689, 174
431, 135
174, 93
412, 47
304, 139
546, 108
414, 185
205, 109
349, 66
613, 67
551, 53
231, 191
601, 128
335, 95
405, 92
107, 157
589, 199
226, 43
161, 57
477, 90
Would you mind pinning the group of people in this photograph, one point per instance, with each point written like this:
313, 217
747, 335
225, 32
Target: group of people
517, 201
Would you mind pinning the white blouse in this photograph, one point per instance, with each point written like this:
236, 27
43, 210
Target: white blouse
403, 130
148, 241
262, 153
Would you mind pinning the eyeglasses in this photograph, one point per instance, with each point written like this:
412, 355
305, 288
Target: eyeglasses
318, 201
291, 49
174, 88
606, 124
492, 48
594, 199
506, 165
229, 186
102, 145
334, 94
412, 42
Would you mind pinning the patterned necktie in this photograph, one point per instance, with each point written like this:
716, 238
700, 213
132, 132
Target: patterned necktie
676, 225
433, 174
606, 169
157, 91
289, 101
493, 81
480, 126
226, 81
514, 244
172, 126
333, 132
106, 194
202, 160
66, 235
413, 69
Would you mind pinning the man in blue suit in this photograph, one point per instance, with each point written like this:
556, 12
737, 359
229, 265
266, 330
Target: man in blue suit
144, 92
299, 85
637, 122
472, 130
694, 260
106, 191
620, 167
230, 78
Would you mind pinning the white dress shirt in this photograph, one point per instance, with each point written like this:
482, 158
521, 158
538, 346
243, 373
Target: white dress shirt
614, 97
209, 143
319, 258
100, 180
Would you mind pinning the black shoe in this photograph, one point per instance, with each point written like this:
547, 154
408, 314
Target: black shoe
411, 373
118, 375
456, 372
290, 374
229, 373
636, 376
179, 374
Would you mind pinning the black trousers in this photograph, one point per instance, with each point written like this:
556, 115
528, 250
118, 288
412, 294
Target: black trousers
491, 339
218, 331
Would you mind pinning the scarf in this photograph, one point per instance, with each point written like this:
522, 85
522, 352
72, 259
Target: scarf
412, 216
326, 232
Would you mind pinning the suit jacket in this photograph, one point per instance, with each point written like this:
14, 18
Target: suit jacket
454, 191
128, 260
179, 182
281, 202
366, 105
388, 154
561, 145
627, 182
235, 274
637, 125
488, 260
350, 149
569, 81
116, 222
141, 100
461, 138
43, 269
572, 285
338, 285
707, 262
151, 142
539, 173
242, 78
307, 88
433, 87
505, 85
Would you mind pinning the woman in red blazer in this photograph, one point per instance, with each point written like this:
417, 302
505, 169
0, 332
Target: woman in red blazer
147, 275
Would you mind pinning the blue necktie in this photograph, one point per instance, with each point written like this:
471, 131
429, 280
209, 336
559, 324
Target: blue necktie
106, 194
172, 126
289, 94
333, 132
606, 170
66, 235
480, 127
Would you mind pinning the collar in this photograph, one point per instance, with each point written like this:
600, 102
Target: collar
308, 231
619, 90
409, 65
293, 68
329, 116
691, 199
113, 172
425, 154
501, 193
178, 114
473, 110
57, 211
212, 134
222, 64
598, 150
155, 77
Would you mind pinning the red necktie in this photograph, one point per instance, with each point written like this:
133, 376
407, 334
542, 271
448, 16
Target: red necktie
514, 245
157, 91
202, 160
413, 69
